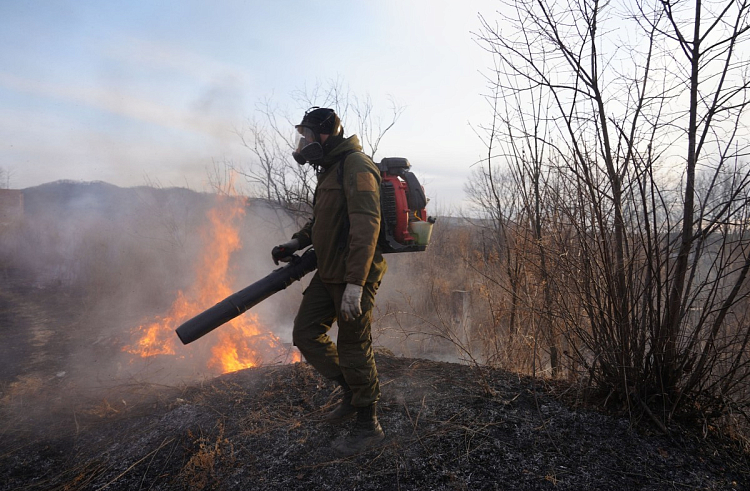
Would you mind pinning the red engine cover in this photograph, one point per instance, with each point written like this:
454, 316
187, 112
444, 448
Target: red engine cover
401, 231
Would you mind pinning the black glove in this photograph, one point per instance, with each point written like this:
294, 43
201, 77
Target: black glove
284, 251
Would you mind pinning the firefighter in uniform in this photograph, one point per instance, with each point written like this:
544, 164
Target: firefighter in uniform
344, 231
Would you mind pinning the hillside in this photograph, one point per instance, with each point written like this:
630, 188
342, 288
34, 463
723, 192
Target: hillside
448, 427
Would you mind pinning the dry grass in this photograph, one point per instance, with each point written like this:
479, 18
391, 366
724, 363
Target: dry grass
261, 429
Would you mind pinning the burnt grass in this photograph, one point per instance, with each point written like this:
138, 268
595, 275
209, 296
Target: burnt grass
448, 426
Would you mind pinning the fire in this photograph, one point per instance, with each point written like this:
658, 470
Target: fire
242, 343
236, 349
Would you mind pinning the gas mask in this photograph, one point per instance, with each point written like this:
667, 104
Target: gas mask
308, 147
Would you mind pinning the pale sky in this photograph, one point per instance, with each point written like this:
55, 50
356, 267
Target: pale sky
138, 91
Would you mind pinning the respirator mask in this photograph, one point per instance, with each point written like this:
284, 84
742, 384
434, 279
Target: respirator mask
308, 148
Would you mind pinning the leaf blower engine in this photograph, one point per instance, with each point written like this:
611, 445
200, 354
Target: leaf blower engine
404, 224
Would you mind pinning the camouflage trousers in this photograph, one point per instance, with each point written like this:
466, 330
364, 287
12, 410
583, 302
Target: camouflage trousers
351, 355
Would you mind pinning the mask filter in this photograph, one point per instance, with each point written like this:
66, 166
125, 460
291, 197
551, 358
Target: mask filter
312, 152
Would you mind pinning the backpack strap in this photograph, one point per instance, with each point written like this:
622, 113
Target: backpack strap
344, 237
340, 170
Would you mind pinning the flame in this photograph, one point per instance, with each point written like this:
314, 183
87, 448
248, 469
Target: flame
242, 343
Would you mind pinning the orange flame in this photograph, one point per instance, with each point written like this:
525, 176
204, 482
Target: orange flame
242, 343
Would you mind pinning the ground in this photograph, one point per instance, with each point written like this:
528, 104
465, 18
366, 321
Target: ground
448, 426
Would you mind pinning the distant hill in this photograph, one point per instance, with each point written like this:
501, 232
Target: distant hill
101, 197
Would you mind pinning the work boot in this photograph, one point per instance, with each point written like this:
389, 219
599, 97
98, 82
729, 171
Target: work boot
366, 433
344, 410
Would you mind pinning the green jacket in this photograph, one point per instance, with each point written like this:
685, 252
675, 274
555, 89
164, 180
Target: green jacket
355, 258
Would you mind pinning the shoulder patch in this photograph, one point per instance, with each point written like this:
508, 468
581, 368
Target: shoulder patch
366, 182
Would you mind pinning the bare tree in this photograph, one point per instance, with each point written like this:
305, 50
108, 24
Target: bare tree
619, 111
514, 202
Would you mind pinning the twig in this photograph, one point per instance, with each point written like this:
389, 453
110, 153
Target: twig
136, 463
651, 415
166, 463
140, 486
415, 424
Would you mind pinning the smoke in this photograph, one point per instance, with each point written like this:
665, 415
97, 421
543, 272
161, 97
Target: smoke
90, 262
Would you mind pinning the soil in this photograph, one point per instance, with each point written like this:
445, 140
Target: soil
448, 426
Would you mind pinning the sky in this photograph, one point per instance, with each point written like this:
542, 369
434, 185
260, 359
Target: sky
154, 91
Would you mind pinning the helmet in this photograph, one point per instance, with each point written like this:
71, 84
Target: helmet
317, 121
321, 120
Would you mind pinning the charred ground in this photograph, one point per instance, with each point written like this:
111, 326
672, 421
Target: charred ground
449, 427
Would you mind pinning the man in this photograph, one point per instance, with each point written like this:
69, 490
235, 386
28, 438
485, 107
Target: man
344, 231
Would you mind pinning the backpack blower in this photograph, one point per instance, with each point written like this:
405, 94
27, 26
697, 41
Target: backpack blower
404, 227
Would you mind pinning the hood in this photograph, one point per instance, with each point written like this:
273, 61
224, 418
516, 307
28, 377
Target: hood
334, 154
